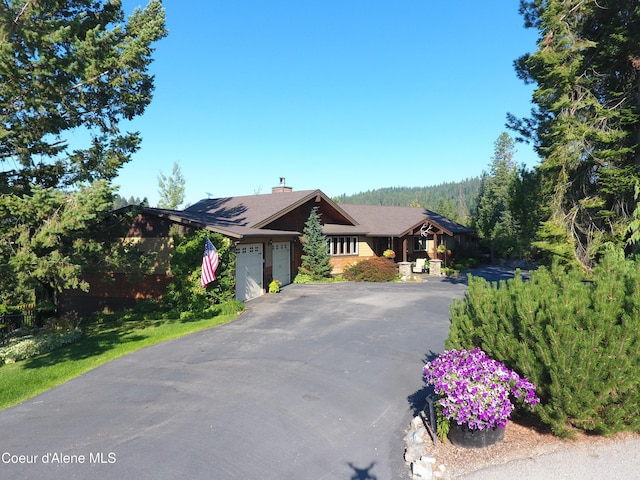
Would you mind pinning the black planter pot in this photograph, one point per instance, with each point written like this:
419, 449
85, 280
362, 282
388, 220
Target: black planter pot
462, 436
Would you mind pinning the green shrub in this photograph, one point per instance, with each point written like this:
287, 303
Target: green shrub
374, 269
230, 307
576, 339
302, 278
450, 272
184, 292
465, 264
27, 346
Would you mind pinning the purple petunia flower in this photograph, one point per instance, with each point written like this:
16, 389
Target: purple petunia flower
475, 390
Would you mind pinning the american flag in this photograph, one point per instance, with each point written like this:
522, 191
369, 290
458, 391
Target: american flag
210, 262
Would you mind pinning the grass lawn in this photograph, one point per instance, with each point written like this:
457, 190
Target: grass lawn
101, 343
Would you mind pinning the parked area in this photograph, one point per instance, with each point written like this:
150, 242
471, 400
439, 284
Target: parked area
318, 381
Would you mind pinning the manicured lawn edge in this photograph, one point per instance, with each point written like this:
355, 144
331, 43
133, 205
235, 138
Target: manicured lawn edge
100, 344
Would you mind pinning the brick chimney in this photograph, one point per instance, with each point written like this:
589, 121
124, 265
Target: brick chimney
282, 188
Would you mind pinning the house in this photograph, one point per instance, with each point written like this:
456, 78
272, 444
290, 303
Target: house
266, 231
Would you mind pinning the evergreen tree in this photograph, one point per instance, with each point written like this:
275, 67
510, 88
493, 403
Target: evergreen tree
171, 189
315, 259
463, 214
586, 119
447, 208
120, 202
58, 236
72, 66
493, 218
66, 67
527, 208
457, 199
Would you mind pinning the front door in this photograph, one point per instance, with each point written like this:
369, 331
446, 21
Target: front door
282, 262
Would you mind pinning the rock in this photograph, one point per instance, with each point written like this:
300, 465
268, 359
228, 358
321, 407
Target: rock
417, 449
416, 436
413, 453
422, 471
417, 422
415, 445
423, 468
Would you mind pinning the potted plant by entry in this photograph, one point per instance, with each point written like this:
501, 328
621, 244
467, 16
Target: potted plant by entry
274, 286
476, 396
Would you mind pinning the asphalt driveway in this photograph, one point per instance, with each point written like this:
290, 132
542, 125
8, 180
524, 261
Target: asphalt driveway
317, 382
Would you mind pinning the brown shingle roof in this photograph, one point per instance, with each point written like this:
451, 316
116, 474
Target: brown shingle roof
246, 216
390, 221
249, 210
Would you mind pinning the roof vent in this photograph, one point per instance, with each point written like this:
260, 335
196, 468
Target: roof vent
282, 188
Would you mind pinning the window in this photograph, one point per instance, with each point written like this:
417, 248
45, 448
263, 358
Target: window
342, 246
421, 243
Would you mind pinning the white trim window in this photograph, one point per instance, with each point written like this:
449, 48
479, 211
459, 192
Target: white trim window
342, 246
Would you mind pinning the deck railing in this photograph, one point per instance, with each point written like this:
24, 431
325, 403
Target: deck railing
10, 322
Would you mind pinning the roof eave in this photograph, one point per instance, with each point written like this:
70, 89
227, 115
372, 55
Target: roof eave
188, 222
271, 233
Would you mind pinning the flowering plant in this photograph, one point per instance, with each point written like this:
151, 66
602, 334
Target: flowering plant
274, 286
476, 390
389, 253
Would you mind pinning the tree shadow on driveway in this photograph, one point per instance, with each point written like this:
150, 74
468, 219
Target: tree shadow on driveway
488, 272
418, 400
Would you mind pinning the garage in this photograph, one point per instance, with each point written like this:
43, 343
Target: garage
249, 281
281, 254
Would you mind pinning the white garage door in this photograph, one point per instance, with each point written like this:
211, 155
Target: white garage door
249, 282
282, 262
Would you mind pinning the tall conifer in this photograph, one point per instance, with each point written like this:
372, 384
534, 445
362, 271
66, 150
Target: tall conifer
586, 120
68, 70
315, 259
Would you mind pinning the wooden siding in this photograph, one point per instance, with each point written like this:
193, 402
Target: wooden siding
113, 292
162, 247
341, 262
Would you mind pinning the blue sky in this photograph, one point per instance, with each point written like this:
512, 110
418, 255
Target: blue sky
340, 95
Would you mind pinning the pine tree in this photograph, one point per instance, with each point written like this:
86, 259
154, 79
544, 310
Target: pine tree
315, 259
527, 208
576, 340
493, 218
73, 69
586, 118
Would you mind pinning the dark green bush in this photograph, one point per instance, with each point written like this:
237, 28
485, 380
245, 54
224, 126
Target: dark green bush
374, 269
184, 292
465, 263
576, 339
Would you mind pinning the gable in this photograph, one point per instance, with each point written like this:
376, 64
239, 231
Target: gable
392, 221
283, 213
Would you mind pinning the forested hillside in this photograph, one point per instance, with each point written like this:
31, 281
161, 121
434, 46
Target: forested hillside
456, 200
